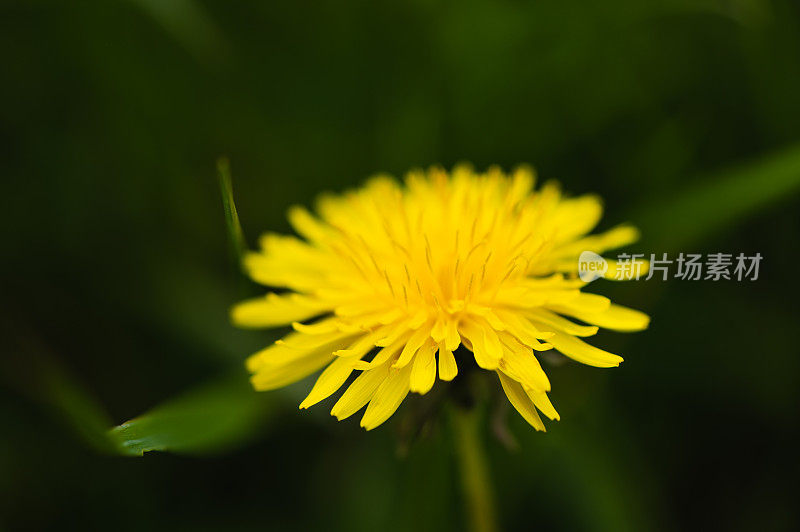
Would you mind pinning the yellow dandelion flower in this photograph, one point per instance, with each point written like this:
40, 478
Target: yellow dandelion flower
396, 278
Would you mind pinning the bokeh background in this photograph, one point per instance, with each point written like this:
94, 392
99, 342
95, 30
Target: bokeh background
117, 273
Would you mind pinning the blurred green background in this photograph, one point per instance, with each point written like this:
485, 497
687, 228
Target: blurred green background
116, 272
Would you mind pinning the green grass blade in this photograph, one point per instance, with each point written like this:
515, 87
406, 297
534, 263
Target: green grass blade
235, 232
191, 25
720, 202
78, 409
211, 419
40, 376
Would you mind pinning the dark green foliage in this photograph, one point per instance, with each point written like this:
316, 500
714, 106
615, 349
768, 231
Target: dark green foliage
116, 276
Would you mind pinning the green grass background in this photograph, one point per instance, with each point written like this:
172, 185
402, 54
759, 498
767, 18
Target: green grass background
117, 275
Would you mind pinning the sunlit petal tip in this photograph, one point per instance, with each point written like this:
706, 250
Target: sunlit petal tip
448, 369
258, 383
630, 231
253, 362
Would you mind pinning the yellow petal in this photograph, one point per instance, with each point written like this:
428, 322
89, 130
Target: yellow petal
360, 392
387, 397
448, 369
366, 307
438, 332
521, 184
451, 339
307, 225
617, 237
276, 271
363, 345
326, 326
418, 319
582, 352
525, 331
290, 249
485, 356
399, 329
274, 310
329, 381
280, 353
523, 364
303, 342
423, 372
616, 317
520, 401
543, 403
412, 346
492, 343
550, 320
272, 377
488, 314
581, 301
576, 216
384, 354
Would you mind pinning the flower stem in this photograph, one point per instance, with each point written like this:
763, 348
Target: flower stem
475, 481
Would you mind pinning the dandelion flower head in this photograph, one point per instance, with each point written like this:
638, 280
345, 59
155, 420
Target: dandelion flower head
386, 282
